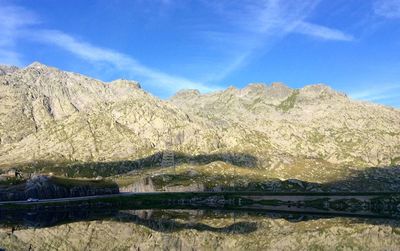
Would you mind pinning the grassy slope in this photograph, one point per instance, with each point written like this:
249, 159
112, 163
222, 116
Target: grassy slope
67, 182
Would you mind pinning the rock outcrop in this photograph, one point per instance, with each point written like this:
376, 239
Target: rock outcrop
281, 124
43, 187
48, 115
5, 69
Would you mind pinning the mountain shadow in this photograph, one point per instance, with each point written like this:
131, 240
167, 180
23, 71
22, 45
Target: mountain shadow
105, 169
369, 179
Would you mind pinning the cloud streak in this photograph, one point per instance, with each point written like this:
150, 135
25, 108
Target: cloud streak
387, 8
386, 94
259, 25
255, 28
119, 60
18, 23
12, 20
322, 32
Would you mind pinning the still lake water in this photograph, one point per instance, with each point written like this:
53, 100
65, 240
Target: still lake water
194, 230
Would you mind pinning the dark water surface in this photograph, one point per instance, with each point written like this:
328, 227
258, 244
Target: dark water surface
173, 218
202, 229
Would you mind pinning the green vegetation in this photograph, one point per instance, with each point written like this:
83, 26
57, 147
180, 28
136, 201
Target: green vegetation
316, 137
289, 103
11, 181
66, 182
112, 168
306, 175
395, 161
164, 180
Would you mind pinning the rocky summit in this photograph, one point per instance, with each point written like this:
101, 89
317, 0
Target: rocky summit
264, 137
52, 116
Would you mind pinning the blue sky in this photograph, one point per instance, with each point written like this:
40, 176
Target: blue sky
167, 45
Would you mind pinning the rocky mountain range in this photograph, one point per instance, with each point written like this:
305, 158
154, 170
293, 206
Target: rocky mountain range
49, 115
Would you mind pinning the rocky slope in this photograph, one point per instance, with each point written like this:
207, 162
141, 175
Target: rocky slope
48, 115
51, 115
314, 122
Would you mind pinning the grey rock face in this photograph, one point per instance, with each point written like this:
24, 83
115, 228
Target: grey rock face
187, 93
43, 187
5, 69
314, 122
51, 115
48, 114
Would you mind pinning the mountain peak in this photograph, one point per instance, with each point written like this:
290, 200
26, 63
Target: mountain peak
279, 85
37, 65
273, 93
6, 69
186, 93
57, 115
126, 83
255, 86
320, 89
232, 88
265, 87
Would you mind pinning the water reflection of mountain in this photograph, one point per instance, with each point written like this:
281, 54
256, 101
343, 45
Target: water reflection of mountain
238, 222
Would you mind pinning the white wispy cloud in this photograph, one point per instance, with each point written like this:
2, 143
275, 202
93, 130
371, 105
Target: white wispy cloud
259, 25
12, 20
387, 8
384, 93
16, 23
120, 61
255, 26
323, 32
